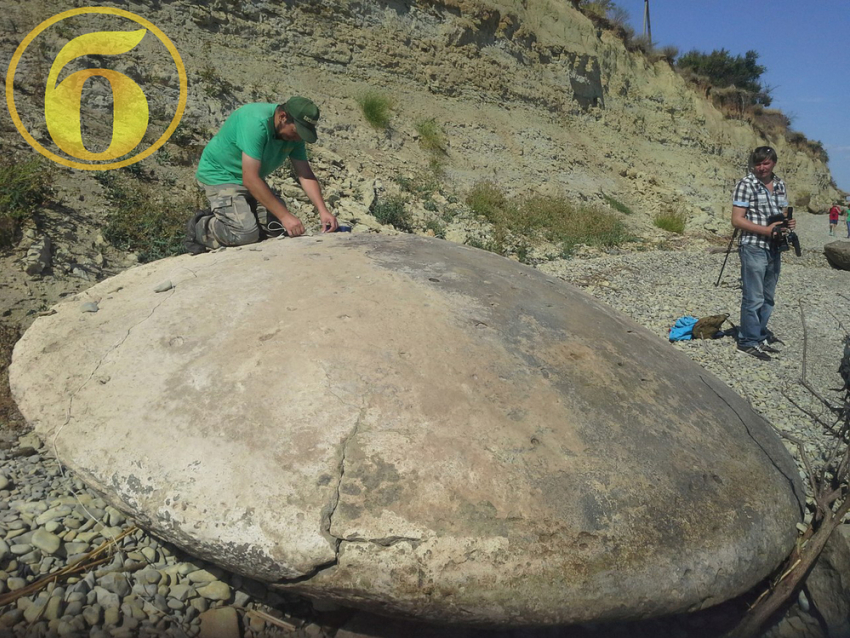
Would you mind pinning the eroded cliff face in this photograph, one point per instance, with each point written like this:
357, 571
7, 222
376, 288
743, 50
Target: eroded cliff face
535, 98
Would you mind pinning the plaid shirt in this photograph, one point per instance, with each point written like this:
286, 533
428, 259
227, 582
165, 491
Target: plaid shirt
760, 203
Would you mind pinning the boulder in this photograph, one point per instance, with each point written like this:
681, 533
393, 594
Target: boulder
828, 587
37, 259
838, 254
411, 427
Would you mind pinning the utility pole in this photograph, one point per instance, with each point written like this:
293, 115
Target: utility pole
647, 28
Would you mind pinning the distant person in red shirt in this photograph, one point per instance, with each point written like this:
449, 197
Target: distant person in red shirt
834, 212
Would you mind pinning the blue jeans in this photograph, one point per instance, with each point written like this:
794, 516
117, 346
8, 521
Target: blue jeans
759, 274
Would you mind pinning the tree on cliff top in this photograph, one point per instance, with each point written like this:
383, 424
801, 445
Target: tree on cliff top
723, 70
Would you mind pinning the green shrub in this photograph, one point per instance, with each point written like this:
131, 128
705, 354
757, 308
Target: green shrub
673, 222
615, 15
490, 245
393, 211
431, 136
487, 200
817, 149
723, 70
617, 205
214, 85
421, 185
25, 188
143, 223
643, 44
554, 219
564, 223
163, 157
438, 228
796, 138
668, 53
376, 108
135, 171
522, 252
436, 164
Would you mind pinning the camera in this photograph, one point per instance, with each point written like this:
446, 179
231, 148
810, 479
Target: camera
781, 237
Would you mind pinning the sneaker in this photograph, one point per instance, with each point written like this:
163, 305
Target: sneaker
192, 245
764, 347
754, 351
772, 338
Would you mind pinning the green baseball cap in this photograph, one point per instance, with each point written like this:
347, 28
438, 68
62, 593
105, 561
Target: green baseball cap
305, 114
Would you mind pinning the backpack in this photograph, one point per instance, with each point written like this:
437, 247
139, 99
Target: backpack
708, 327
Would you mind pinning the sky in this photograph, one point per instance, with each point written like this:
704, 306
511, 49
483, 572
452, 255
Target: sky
805, 45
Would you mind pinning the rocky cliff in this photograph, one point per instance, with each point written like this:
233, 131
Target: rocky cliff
533, 97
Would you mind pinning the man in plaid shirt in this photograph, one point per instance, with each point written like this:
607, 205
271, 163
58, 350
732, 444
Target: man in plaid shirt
757, 197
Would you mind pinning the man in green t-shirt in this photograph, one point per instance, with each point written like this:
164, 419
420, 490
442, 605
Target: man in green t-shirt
254, 141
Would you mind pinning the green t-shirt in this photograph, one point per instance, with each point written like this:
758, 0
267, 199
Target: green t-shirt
247, 130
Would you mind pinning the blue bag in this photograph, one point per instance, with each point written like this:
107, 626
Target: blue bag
683, 329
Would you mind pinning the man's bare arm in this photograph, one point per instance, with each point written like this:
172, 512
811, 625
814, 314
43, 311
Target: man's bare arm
257, 186
311, 187
740, 221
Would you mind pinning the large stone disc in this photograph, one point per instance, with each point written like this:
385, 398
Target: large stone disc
413, 427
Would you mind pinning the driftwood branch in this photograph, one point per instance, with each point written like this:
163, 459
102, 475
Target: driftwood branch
827, 426
829, 486
86, 562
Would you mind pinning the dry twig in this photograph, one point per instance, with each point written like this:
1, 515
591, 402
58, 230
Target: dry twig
277, 622
87, 562
830, 486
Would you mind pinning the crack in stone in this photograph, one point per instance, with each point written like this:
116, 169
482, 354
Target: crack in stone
330, 510
99, 363
107, 353
387, 541
801, 500
70, 407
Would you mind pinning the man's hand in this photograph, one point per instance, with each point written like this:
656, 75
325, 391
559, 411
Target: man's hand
329, 222
792, 224
292, 224
261, 191
769, 230
311, 187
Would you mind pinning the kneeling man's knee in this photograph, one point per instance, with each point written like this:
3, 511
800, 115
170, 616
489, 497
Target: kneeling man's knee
247, 236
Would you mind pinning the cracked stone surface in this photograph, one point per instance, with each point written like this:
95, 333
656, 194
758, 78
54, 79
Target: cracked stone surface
412, 427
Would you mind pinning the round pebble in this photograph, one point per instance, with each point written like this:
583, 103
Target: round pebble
46, 541
215, 590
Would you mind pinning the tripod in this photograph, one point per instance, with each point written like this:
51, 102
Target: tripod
728, 250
